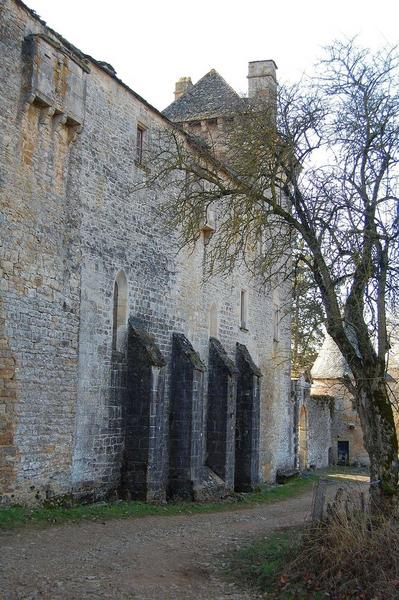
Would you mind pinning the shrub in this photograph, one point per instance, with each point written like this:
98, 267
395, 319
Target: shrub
349, 555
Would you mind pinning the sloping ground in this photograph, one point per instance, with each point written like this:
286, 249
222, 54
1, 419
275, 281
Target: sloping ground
151, 558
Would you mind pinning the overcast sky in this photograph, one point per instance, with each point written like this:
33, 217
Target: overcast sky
153, 43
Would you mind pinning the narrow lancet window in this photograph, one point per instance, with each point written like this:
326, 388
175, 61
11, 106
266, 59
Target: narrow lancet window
120, 312
139, 144
276, 324
213, 321
244, 309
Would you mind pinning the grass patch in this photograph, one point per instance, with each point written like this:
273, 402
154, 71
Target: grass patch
262, 564
15, 516
266, 566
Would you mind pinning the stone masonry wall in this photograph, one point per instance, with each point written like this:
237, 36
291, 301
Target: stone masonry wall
40, 277
221, 413
345, 422
71, 220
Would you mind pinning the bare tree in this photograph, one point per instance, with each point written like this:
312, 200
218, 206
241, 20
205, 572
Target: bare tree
318, 163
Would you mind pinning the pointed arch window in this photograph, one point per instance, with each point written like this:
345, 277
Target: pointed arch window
244, 310
120, 312
213, 321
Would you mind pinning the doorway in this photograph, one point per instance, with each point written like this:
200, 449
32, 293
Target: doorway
343, 453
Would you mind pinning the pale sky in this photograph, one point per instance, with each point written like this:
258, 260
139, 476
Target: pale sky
153, 43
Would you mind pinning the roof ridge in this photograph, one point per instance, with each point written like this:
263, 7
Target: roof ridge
216, 72
210, 94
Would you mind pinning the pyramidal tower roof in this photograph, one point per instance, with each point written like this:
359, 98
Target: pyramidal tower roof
329, 364
210, 97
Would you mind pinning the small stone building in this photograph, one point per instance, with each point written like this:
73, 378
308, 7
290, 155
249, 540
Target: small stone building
346, 446
327, 429
122, 371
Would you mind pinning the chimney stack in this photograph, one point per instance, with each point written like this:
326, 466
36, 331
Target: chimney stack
262, 80
182, 85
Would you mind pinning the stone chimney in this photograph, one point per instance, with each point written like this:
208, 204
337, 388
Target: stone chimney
182, 85
262, 79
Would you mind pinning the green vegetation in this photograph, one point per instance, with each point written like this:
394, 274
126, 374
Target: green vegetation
18, 515
351, 554
262, 564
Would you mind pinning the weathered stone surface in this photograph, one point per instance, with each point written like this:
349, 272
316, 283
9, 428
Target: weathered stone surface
143, 418
70, 222
210, 487
186, 424
247, 422
57, 77
221, 414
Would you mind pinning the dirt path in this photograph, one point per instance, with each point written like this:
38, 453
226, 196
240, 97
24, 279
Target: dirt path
151, 558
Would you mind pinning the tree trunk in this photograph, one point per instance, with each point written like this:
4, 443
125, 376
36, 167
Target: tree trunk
380, 440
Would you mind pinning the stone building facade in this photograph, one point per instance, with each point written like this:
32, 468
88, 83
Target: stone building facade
122, 371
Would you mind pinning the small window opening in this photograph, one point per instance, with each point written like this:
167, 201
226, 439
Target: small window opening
276, 324
213, 321
139, 144
120, 309
115, 316
244, 309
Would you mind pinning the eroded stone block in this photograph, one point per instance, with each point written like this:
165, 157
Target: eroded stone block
57, 79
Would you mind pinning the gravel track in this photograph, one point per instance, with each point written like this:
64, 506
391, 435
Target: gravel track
151, 558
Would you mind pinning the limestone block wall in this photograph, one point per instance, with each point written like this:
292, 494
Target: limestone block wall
346, 427
72, 220
346, 431
40, 267
195, 300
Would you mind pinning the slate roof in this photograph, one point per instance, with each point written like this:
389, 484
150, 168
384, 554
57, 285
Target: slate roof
210, 97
